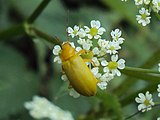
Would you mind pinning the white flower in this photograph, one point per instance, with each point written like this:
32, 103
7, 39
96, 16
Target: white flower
81, 33
57, 59
146, 101
102, 85
102, 43
112, 47
156, 5
95, 31
116, 36
56, 50
107, 77
147, 2
138, 2
104, 63
40, 108
144, 17
114, 65
73, 93
64, 77
158, 118
72, 44
159, 67
95, 61
102, 52
158, 90
95, 51
95, 72
78, 49
73, 32
81, 41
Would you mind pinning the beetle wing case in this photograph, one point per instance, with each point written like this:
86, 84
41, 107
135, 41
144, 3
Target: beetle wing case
80, 76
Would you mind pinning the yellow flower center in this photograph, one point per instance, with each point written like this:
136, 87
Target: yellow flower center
112, 65
75, 32
112, 48
143, 16
93, 31
147, 103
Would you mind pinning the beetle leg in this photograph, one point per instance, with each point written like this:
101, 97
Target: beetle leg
81, 51
62, 70
91, 61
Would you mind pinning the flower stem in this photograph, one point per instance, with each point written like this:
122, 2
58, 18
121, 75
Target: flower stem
38, 11
141, 70
12, 32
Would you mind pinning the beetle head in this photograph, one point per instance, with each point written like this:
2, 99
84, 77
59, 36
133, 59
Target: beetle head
67, 51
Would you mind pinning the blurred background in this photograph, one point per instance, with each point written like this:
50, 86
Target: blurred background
26, 63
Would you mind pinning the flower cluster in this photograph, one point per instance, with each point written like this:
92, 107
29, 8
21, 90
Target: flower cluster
41, 108
146, 101
105, 62
146, 7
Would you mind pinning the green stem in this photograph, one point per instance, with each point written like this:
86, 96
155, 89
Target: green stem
38, 11
141, 70
12, 32
39, 34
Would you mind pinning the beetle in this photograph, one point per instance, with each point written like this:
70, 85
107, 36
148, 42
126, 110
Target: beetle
78, 73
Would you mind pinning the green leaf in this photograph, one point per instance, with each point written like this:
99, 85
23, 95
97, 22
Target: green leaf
111, 105
17, 83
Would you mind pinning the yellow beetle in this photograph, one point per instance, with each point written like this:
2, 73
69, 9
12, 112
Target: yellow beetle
78, 73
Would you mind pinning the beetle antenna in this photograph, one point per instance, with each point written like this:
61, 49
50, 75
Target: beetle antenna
67, 19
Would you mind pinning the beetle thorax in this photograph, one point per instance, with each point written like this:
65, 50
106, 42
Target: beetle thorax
67, 51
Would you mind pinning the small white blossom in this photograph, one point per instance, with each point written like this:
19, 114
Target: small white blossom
114, 65
138, 2
159, 67
56, 50
73, 93
81, 41
104, 63
95, 61
112, 47
158, 90
107, 77
158, 118
95, 51
40, 108
147, 2
73, 32
78, 49
156, 5
102, 85
124, 0
95, 31
102, 43
81, 33
95, 72
72, 44
145, 101
57, 59
64, 77
102, 52
116, 36
144, 17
